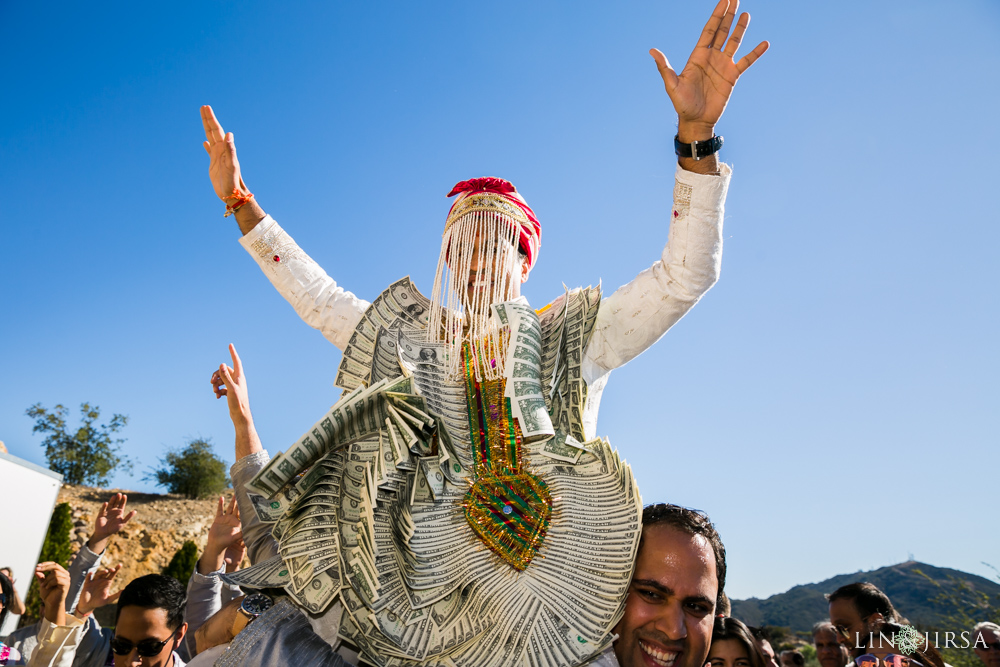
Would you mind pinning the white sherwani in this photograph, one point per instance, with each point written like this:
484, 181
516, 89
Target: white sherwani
628, 321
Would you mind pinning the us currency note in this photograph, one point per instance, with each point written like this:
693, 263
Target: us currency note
522, 369
271, 573
318, 594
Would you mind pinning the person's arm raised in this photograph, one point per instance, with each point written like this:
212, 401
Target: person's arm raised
224, 171
232, 383
702, 90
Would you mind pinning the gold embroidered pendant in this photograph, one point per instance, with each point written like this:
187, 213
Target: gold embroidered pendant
508, 507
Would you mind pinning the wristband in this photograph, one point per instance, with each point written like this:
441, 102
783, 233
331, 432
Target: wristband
697, 150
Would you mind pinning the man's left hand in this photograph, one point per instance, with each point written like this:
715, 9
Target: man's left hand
702, 90
96, 591
110, 519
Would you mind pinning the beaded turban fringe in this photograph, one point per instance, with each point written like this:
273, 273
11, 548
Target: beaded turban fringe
486, 225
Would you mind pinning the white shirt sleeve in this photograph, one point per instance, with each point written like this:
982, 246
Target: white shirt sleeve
57, 644
639, 313
314, 295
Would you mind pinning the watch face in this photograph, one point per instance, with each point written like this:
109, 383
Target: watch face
256, 604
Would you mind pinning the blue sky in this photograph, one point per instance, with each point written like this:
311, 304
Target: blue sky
832, 402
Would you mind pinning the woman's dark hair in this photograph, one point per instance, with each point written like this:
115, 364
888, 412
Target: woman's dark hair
729, 628
7, 589
155, 591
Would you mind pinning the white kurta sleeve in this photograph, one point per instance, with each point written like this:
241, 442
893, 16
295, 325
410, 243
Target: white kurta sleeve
314, 295
57, 644
639, 313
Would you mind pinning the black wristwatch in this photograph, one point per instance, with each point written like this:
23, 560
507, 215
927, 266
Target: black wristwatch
696, 150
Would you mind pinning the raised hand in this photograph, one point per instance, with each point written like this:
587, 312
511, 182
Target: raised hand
110, 519
232, 383
96, 590
53, 587
702, 90
223, 534
235, 554
223, 167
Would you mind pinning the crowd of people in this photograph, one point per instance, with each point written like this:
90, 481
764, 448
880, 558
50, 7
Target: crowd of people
676, 615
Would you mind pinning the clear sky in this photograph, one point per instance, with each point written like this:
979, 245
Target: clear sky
832, 402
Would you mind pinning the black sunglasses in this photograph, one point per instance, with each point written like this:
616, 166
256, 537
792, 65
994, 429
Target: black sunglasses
147, 648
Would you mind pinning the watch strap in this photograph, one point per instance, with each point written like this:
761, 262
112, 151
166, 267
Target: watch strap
697, 150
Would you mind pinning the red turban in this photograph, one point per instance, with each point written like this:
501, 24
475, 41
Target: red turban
500, 197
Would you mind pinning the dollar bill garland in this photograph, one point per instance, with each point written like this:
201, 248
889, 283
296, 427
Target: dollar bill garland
450, 500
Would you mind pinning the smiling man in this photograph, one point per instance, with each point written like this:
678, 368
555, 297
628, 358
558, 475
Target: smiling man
679, 576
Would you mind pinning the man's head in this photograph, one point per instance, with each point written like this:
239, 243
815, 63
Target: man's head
679, 577
763, 639
986, 638
793, 659
149, 621
829, 651
491, 240
856, 610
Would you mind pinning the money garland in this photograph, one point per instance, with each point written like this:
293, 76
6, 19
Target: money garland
508, 507
377, 505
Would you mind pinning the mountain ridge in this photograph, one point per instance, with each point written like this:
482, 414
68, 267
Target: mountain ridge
912, 586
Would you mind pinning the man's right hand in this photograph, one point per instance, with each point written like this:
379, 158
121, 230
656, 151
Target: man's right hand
232, 383
53, 580
224, 532
224, 170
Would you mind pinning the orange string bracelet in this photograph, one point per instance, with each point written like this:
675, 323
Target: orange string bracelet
240, 198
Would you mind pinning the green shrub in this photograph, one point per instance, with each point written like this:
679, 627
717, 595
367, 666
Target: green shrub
182, 564
194, 471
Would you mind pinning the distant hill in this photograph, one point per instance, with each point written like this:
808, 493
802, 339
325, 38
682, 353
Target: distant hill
910, 592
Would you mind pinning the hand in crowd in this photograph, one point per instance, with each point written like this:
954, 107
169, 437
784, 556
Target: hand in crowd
15, 605
225, 538
96, 590
53, 584
235, 554
232, 383
110, 519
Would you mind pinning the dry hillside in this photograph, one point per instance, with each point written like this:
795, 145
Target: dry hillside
147, 543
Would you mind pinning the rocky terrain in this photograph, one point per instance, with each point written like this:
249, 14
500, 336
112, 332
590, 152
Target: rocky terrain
147, 543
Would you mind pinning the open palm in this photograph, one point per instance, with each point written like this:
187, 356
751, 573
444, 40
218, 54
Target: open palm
112, 516
702, 90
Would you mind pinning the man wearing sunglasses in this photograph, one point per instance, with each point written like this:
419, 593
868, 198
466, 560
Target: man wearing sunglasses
857, 610
149, 625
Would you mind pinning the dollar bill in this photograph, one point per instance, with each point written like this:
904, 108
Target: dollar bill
318, 593
271, 573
